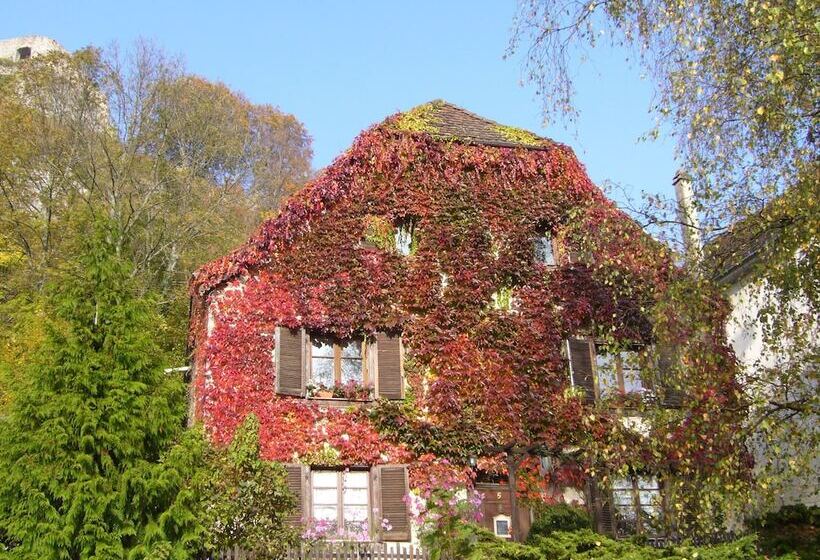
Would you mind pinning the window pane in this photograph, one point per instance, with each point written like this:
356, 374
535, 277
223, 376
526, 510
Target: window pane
355, 496
649, 497
352, 370
502, 527
355, 513
325, 513
651, 519
622, 484
321, 347
325, 479
626, 520
404, 238
543, 250
607, 375
623, 498
325, 496
356, 479
632, 372
648, 482
352, 349
321, 371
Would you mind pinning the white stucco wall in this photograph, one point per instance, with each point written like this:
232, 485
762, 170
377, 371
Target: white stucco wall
745, 333
39, 45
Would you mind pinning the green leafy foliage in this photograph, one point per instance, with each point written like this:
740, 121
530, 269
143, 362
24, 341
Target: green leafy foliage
736, 85
244, 500
791, 529
83, 466
558, 517
474, 543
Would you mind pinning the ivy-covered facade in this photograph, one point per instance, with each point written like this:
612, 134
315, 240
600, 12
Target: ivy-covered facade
452, 305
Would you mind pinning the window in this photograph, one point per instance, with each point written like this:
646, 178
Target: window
23, 53
618, 372
341, 499
544, 249
638, 504
501, 526
336, 362
405, 236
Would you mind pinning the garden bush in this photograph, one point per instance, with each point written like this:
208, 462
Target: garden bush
558, 517
790, 529
475, 543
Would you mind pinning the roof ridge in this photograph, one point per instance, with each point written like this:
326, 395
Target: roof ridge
472, 114
445, 120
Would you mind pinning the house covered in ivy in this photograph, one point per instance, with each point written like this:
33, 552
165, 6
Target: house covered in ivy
453, 306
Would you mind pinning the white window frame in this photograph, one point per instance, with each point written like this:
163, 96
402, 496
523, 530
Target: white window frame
340, 504
502, 517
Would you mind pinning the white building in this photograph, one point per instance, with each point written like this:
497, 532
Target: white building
21, 48
786, 371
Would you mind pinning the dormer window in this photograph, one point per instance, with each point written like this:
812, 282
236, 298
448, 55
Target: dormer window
405, 236
23, 53
544, 249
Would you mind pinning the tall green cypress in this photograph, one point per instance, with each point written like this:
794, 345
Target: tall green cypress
87, 467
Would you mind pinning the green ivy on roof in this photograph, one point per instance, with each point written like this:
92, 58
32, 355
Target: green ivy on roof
448, 122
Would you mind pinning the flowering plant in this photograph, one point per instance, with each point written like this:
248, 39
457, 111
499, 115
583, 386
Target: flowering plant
324, 530
351, 390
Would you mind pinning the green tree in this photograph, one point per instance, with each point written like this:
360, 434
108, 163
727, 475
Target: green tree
736, 82
81, 474
184, 168
244, 500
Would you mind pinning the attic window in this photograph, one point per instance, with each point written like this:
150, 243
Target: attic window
405, 236
23, 53
544, 248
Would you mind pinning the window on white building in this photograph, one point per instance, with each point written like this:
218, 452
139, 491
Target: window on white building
638, 504
617, 372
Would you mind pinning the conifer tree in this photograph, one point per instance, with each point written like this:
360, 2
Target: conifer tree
87, 467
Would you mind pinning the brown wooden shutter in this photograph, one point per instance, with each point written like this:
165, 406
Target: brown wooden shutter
390, 381
672, 396
297, 484
390, 486
600, 502
289, 361
580, 363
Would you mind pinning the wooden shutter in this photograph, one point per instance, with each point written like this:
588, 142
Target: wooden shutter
289, 358
672, 396
390, 488
600, 502
580, 363
390, 381
297, 480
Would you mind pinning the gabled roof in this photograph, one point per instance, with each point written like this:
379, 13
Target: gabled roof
448, 122
733, 254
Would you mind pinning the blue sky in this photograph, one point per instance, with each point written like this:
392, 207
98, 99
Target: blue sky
342, 66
